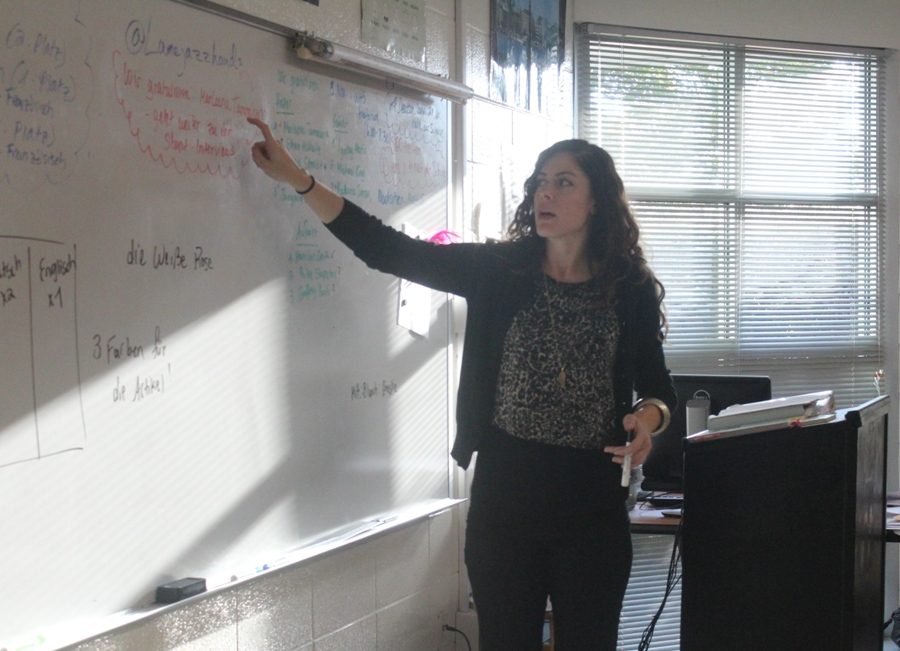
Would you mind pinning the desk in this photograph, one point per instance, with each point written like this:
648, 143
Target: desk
647, 519
652, 521
651, 531
796, 520
892, 533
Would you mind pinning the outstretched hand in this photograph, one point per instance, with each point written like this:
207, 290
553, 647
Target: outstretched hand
274, 160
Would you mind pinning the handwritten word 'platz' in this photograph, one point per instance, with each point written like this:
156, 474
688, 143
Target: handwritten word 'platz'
21, 82
39, 44
33, 134
365, 390
163, 257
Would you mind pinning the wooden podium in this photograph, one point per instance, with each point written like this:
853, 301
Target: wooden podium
783, 537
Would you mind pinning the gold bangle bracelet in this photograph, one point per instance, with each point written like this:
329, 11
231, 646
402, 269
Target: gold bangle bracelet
663, 410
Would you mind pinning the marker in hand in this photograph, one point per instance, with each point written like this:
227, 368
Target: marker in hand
626, 464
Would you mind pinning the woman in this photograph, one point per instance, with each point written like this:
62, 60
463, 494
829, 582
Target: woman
564, 325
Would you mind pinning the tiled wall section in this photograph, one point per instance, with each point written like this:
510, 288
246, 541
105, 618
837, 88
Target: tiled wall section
391, 593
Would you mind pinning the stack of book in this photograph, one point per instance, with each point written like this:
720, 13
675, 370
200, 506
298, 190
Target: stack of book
792, 411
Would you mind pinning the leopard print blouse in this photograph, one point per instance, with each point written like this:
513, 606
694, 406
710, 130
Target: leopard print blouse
562, 327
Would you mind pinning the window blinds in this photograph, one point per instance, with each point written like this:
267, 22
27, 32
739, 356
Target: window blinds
755, 172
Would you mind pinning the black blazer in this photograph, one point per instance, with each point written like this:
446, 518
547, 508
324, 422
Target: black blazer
497, 279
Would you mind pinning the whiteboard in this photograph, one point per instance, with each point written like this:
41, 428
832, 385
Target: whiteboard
197, 376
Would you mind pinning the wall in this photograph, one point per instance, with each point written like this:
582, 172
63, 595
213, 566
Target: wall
338, 20
869, 23
392, 592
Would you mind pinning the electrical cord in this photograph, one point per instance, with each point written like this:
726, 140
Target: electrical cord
673, 578
453, 629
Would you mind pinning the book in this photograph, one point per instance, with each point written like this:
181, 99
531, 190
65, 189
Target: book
791, 423
776, 410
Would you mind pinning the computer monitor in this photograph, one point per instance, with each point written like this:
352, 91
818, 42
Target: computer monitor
664, 468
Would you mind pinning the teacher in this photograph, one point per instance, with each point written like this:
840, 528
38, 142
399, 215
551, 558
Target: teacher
564, 327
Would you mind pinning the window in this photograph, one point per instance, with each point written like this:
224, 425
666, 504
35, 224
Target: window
755, 171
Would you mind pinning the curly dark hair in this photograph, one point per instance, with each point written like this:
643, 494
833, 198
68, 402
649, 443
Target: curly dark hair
613, 245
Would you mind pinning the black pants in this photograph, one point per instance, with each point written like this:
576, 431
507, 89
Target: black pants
583, 571
529, 536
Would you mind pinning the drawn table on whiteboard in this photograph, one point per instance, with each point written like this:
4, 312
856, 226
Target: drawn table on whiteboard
40, 351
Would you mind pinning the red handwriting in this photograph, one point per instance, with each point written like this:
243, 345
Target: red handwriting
183, 124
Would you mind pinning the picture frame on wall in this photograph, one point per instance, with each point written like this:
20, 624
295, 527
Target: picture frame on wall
527, 50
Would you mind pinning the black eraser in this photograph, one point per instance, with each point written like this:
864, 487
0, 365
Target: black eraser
169, 593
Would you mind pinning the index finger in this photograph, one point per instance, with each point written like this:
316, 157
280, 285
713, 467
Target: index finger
262, 126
